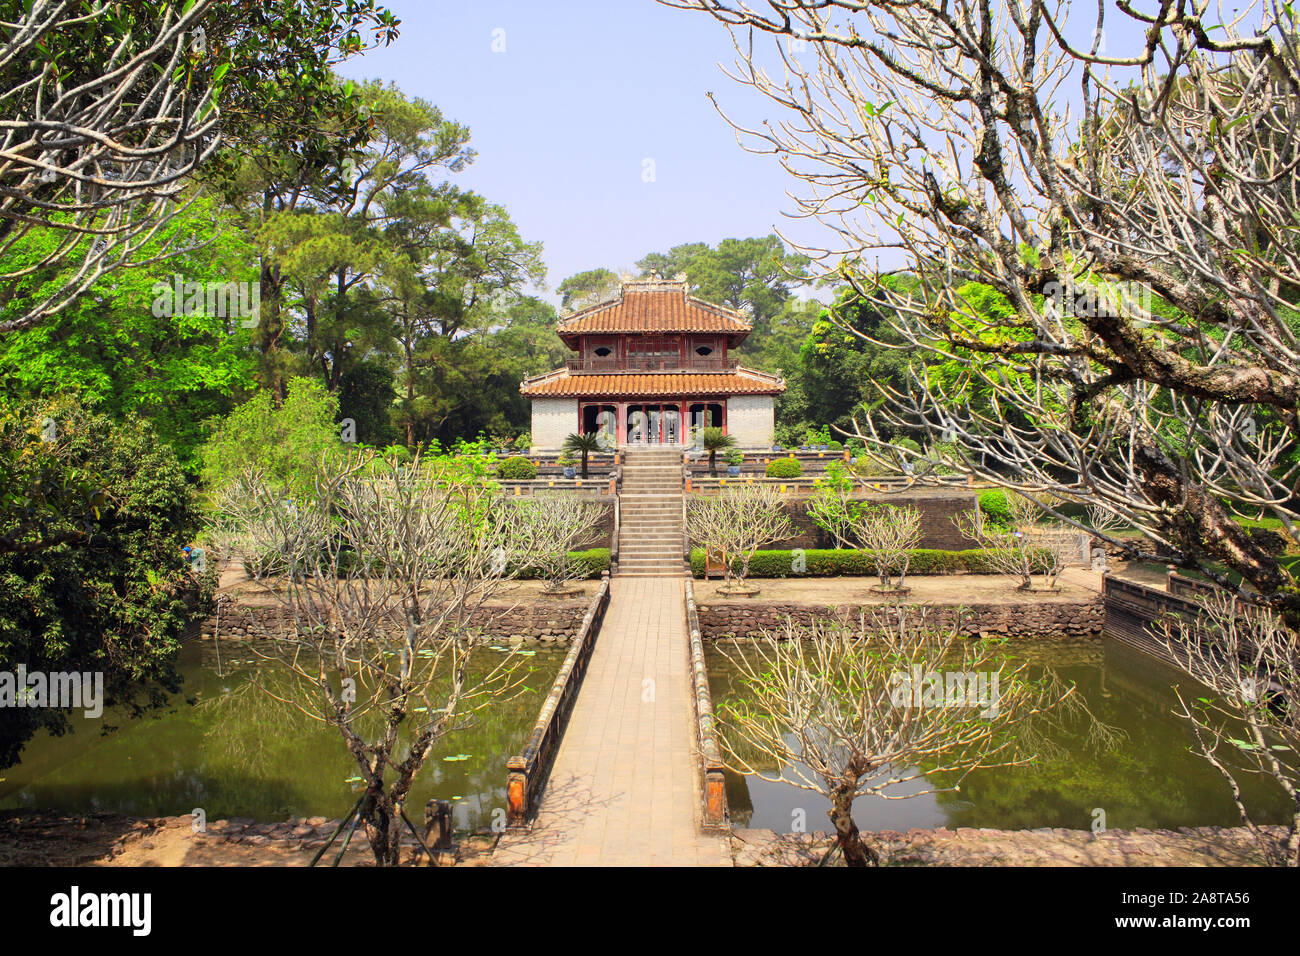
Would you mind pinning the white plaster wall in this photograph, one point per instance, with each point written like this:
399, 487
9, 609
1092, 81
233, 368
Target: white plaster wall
554, 419
750, 420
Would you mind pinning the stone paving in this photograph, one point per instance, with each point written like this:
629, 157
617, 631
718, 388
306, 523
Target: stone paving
623, 789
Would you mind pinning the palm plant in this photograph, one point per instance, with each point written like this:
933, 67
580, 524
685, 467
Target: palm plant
582, 445
715, 440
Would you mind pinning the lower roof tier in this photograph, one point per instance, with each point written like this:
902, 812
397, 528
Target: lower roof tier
565, 384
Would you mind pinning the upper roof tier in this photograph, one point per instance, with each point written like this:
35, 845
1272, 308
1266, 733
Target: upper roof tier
654, 306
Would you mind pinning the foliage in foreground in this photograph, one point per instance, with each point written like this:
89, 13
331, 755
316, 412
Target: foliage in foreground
92, 576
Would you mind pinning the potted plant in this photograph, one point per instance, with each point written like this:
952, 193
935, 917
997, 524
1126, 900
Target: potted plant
734, 458
715, 440
583, 446
567, 463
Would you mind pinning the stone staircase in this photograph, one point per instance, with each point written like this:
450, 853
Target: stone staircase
650, 503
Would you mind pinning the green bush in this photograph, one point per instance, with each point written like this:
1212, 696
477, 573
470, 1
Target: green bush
593, 561
784, 468
835, 445
854, 563
92, 576
517, 468
908, 444
734, 457
287, 441
994, 505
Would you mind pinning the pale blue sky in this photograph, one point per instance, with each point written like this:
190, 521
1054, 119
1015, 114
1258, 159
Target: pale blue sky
565, 118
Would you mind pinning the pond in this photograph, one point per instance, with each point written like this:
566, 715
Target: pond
1142, 774
226, 745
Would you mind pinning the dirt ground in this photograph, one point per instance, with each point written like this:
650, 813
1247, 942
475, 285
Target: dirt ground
931, 589
241, 589
43, 838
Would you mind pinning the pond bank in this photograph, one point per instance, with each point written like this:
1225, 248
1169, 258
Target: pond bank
46, 838
964, 846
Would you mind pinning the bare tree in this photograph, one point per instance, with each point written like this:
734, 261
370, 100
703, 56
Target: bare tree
1137, 237
890, 533
735, 523
1017, 548
382, 570
852, 709
552, 525
1249, 659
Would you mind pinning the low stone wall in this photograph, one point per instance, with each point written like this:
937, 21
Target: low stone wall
543, 621
1046, 619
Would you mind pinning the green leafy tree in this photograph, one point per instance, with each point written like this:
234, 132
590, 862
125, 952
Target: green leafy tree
286, 441
94, 511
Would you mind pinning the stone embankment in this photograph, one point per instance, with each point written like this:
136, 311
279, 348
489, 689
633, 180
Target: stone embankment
1055, 619
546, 621
1186, 846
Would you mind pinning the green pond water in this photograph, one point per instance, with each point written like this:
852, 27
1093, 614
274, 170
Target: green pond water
228, 746
1144, 775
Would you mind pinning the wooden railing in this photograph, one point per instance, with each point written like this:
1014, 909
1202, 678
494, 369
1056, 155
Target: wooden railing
633, 364
714, 797
528, 770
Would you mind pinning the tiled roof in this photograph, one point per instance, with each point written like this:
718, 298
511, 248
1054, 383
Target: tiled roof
653, 306
565, 384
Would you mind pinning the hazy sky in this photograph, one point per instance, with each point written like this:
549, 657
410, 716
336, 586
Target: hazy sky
569, 116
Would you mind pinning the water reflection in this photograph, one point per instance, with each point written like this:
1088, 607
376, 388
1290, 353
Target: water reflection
1139, 767
227, 746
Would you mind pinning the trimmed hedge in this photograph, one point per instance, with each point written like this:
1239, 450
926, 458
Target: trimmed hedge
784, 468
516, 469
595, 559
846, 562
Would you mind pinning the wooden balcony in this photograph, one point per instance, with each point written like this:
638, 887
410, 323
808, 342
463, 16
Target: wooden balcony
634, 363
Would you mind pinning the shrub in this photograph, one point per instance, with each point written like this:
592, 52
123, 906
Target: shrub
587, 564
835, 445
524, 441
908, 444
517, 468
287, 442
734, 457
784, 468
995, 507
92, 576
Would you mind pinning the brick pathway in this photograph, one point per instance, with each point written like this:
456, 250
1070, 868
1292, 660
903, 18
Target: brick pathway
623, 789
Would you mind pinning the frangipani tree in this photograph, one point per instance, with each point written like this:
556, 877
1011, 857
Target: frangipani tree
384, 570
1020, 548
550, 526
735, 523
890, 533
1250, 724
1097, 224
854, 708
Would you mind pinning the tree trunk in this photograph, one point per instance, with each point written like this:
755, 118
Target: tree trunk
856, 853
